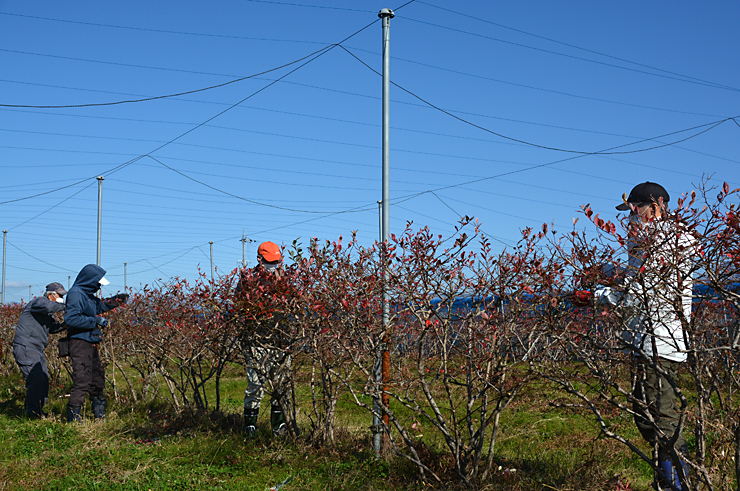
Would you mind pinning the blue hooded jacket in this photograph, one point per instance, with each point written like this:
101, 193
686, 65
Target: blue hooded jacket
83, 306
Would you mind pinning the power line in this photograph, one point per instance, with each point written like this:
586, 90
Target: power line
40, 260
691, 81
576, 47
531, 87
312, 6
117, 167
416, 105
545, 147
116, 63
254, 202
146, 99
375, 125
162, 31
51, 208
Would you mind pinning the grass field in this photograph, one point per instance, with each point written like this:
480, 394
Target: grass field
150, 447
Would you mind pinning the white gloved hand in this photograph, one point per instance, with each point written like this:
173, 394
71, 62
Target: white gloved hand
603, 294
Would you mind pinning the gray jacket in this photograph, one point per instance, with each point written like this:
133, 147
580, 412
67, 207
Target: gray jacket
36, 322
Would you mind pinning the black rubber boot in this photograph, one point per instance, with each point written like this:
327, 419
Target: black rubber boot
250, 421
99, 405
74, 413
277, 419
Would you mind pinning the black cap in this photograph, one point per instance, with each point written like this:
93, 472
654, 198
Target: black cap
647, 192
56, 288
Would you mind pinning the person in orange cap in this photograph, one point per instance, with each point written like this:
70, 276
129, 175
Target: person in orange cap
265, 360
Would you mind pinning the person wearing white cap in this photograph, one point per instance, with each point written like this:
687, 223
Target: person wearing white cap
83, 329
31, 338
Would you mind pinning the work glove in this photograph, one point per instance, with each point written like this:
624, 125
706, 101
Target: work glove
605, 295
115, 300
102, 321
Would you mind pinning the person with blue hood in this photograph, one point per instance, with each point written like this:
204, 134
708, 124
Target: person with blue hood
31, 337
83, 322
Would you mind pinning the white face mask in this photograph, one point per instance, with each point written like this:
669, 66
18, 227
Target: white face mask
60, 300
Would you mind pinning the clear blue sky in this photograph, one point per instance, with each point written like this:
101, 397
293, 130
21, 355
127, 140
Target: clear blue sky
581, 76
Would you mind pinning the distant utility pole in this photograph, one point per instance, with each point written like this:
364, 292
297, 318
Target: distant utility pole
29, 293
244, 241
385, 360
211, 242
100, 212
69, 279
125, 283
5, 241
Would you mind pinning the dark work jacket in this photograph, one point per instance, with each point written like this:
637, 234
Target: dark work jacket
83, 307
36, 322
262, 319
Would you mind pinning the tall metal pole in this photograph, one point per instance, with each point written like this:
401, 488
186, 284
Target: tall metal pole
377, 429
386, 15
211, 242
100, 212
5, 241
125, 283
69, 280
29, 293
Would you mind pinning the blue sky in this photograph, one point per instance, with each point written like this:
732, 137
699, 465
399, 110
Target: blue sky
281, 165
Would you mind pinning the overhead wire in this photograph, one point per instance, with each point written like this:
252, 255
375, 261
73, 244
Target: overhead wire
166, 96
545, 147
52, 207
680, 79
588, 153
163, 31
70, 185
40, 260
531, 87
495, 117
242, 198
315, 55
581, 48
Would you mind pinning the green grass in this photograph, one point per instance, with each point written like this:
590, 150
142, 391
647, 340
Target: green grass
150, 447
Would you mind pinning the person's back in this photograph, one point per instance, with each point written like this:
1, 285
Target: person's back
83, 326
36, 322
83, 306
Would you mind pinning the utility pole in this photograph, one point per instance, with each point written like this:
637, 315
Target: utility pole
5, 242
385, 360
29, 293
211, 242
100, 212
244, 241
69, 279
125, 283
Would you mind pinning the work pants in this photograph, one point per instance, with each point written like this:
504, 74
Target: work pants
32, 362
88, 376
661, 405
265, 364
